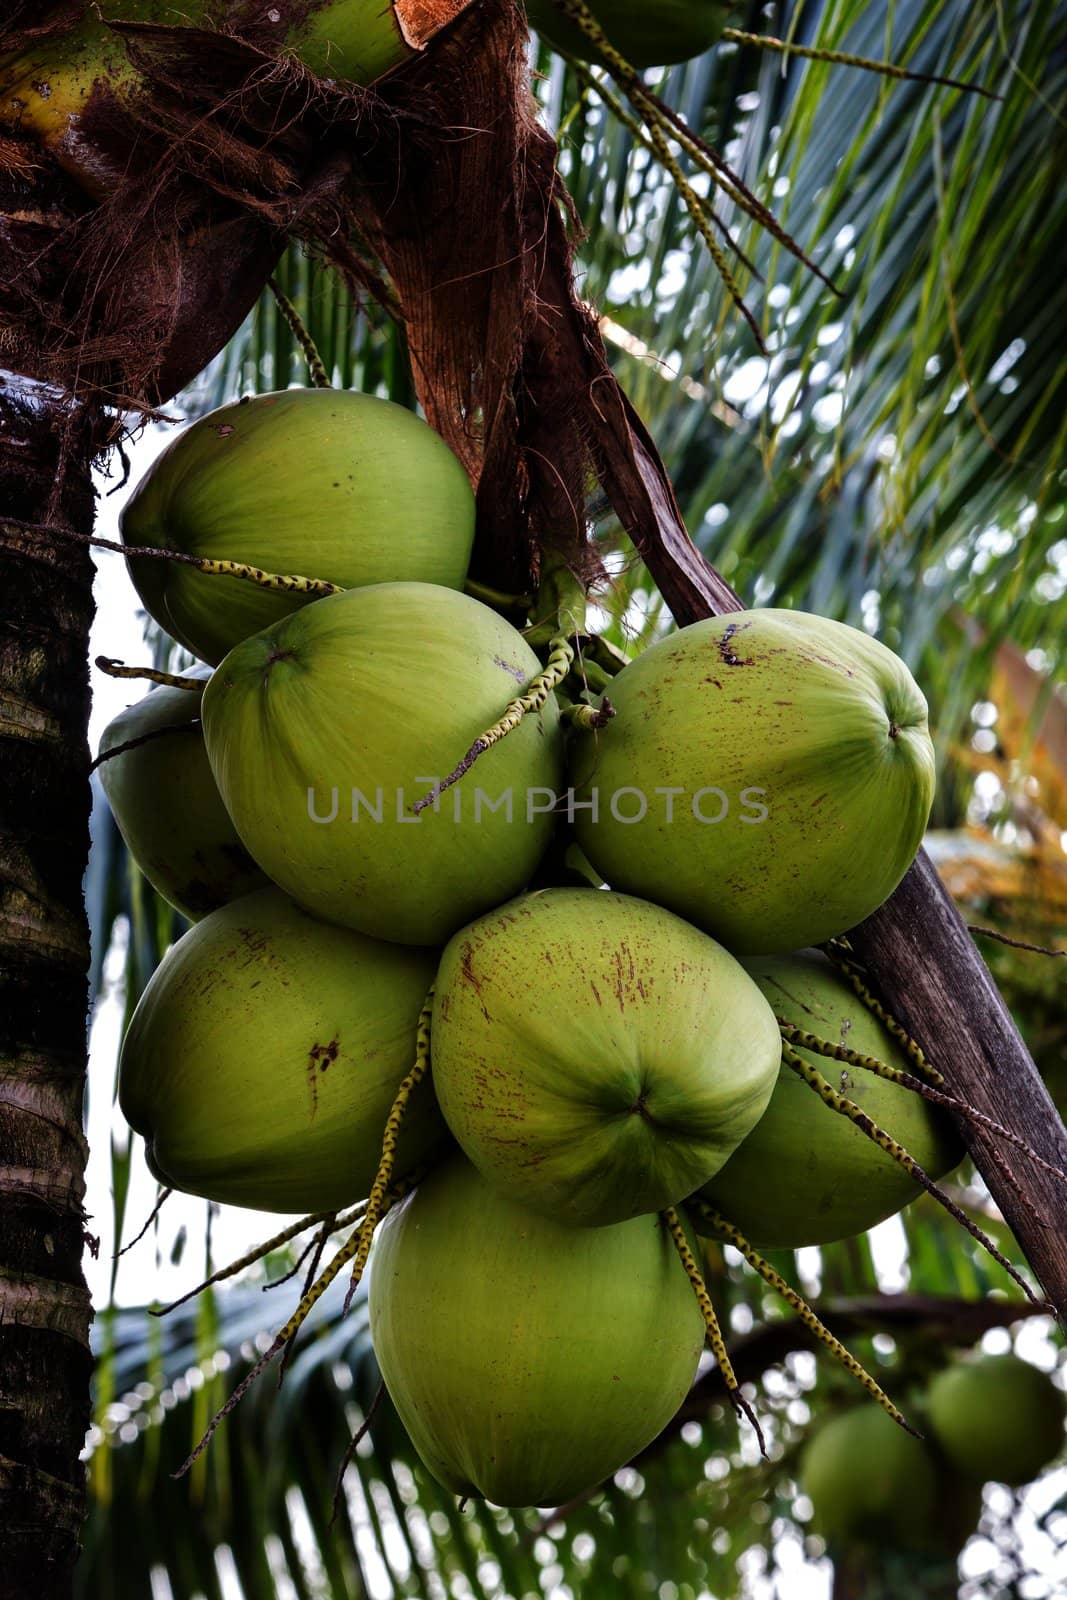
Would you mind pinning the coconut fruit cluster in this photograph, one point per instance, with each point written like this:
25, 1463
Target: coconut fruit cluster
985, 1418
367, 801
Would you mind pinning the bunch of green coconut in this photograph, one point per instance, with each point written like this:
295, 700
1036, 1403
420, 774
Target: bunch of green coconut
986, 1418
514, 950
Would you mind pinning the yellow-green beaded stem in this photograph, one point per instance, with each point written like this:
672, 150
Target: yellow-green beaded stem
261, 1250
896, 1152
308, 1301
837, 953
589, 718
320, 378
640, 133
535, 698
826, 1047
393, 1124
277, 582
697, 212
657, 118
579, 13
802, 1040
887, 69
711, 1321
704, 160
170, 680
733, 1235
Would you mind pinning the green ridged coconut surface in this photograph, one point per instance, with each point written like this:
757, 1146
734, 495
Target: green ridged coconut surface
528, 1360
806, 1175
768, 775
317, 483
595, 1056
167, 806
996, 1418
648, 33
374, 694
869, 1482
265, 1054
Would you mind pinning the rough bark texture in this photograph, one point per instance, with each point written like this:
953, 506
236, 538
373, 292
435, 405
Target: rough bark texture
45, 611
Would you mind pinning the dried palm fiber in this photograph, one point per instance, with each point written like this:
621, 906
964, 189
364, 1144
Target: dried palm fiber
436, 190
466, 212
121, 289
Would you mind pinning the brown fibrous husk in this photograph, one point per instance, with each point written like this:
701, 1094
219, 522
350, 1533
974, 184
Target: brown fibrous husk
435, 193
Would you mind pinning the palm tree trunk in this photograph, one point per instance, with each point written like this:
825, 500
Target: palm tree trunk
45, 610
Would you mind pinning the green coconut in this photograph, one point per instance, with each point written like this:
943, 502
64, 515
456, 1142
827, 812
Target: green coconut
528, 1360
805, 1175
648, 33
768, 775
325, 730
869, 1481
167, 807
320, 483
996, 1418
595, 1056
265, 1054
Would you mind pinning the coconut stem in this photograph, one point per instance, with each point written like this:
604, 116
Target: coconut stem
314, 1248
192, 726
636, 127
313, 1245
711, 1322
277, 582
320, 378
353, 1445
261, 1250
661, 119
698, 216
589, 718
497, 598
896, 1152
117, 669
560, 660
887, 69
733, 1235
163, 1197
307, 1303
802, 1040
848, 969
393, 1124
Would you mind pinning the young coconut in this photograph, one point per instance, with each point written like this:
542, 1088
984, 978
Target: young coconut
767, 775
804, 1176
996, 1418
167, 807
869, 1481
648, 33
597, 1057
528, 1360
265, 1054
324, 730
301, 482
